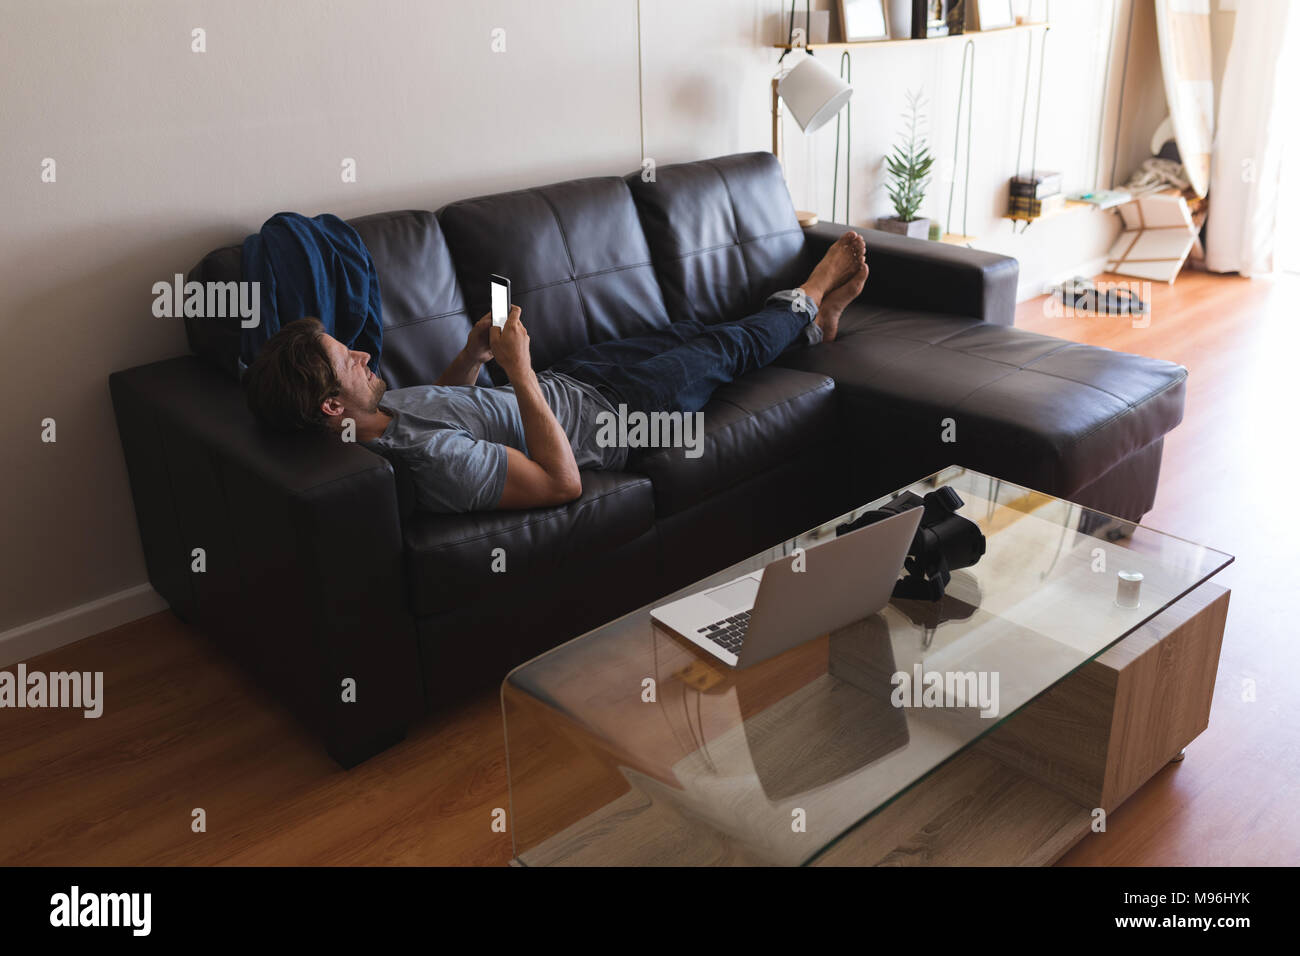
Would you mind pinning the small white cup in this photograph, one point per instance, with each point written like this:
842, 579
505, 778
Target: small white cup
1128, 590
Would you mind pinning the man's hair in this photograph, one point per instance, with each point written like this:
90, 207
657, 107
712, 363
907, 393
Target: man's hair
290, 378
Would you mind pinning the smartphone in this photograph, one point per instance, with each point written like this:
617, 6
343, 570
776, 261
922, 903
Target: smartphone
500, 300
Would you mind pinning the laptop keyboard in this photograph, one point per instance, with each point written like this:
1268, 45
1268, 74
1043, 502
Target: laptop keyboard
728, 633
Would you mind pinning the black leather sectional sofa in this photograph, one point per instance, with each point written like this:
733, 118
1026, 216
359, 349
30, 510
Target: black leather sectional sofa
319, 570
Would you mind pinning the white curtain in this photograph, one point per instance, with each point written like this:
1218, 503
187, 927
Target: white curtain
1257, 107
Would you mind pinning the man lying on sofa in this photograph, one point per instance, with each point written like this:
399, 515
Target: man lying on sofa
474, 448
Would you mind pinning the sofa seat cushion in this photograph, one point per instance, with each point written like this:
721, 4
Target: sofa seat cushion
450, 558
1041, 411
751, 425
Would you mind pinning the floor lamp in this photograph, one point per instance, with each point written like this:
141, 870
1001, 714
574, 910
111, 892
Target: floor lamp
814, 95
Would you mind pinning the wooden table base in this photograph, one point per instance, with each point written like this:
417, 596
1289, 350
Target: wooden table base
1039, 783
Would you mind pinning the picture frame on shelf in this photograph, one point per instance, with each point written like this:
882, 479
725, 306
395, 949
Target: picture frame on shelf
935, 24
948, 17
863, 20
993, 14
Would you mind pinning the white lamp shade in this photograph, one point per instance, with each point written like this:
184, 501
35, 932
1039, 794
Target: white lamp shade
813, 93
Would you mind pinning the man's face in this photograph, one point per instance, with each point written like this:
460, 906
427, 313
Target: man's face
361, 389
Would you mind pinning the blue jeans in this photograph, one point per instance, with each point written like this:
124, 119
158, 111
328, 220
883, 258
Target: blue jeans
678, 369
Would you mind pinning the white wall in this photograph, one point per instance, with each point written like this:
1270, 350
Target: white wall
163, 154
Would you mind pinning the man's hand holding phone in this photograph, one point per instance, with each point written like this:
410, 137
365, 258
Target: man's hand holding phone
464, 368
510, 345
478, 347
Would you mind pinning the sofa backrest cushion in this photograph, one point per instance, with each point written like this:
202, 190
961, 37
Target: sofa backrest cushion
723, 234
425, 319
578, 264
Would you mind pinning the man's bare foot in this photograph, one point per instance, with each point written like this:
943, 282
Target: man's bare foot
838, 266
835, 302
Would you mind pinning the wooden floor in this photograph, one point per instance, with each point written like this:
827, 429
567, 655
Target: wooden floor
1226, 480
183, 730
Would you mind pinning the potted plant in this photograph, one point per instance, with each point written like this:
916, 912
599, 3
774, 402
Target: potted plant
908, 174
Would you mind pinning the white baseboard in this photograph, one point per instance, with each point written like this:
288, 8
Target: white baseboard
1031, 286
28, 640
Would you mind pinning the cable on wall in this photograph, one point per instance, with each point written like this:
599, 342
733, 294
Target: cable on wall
1038, 112
807, 29
846, 74
1024, 103
1123, 78
1038, 101
966, 81
640, 95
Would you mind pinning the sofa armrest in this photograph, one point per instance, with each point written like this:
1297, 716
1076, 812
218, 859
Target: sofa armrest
304, 581
928, 276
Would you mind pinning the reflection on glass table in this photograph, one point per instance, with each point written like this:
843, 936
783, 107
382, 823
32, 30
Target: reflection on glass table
628, 745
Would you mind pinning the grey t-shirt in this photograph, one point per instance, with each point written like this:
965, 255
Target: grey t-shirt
452, 439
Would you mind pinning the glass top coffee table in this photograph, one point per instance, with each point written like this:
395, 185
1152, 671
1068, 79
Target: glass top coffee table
630, 746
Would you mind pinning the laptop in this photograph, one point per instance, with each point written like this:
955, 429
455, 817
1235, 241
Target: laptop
760, 615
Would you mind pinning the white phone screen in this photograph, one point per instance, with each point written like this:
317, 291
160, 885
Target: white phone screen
500, 304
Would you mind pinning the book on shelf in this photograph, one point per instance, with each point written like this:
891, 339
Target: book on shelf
1036, 185
1027, 207
1104, 198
